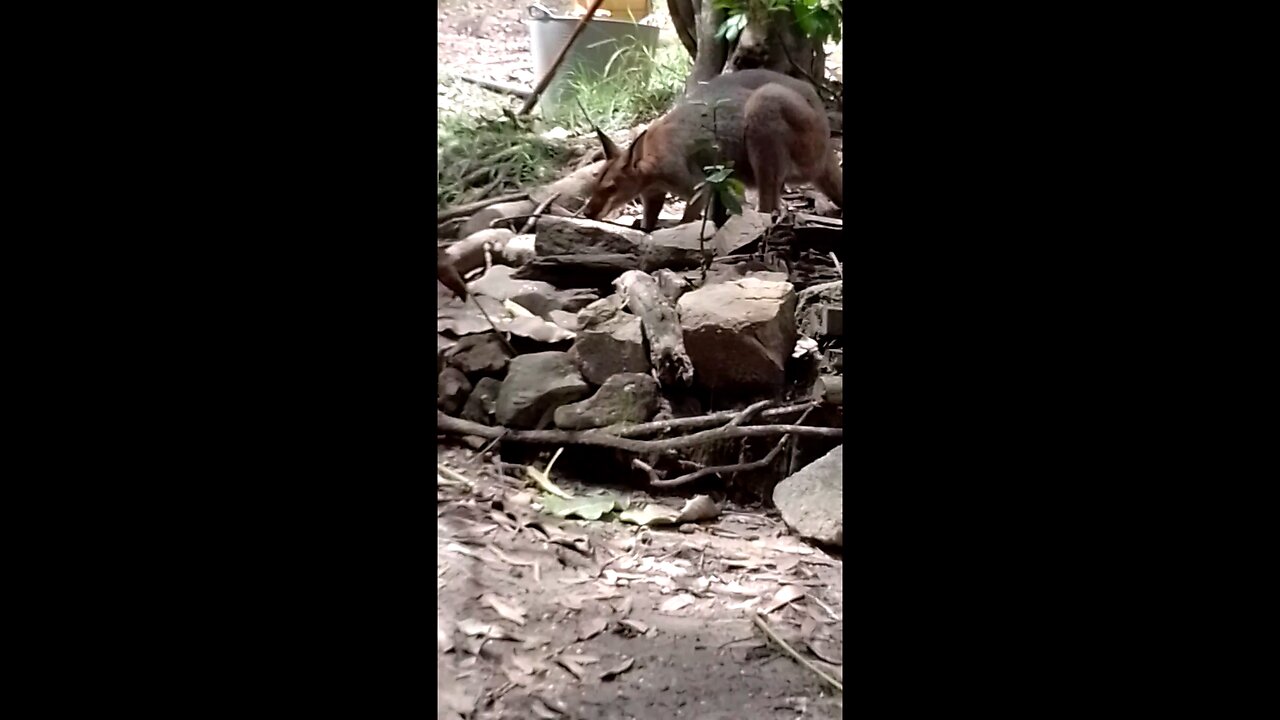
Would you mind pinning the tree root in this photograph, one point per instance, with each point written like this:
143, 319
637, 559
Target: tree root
603, 438
765, 461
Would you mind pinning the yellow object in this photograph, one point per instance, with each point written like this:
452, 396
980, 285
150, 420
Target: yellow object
618, 9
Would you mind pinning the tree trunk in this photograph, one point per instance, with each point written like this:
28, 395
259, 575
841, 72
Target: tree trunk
683, 17
709, 60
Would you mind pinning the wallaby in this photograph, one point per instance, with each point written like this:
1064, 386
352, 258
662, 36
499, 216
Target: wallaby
772, 127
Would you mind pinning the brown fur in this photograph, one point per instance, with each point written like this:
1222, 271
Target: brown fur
771, 126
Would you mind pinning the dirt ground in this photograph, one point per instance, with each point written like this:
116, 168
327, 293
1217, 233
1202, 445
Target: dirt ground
540, 617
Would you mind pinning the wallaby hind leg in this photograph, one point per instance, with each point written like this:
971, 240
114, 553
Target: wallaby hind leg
831, 181
769, 165
767, 151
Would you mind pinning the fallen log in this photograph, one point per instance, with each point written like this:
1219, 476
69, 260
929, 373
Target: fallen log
661, 327
830, 389
461, 210
468, 254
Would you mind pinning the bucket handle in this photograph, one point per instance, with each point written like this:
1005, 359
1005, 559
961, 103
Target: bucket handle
538, 11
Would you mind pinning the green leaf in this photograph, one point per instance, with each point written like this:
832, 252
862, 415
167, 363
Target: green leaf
730, 201
736, 185
651, 514
718, 176
724, 28
585, 507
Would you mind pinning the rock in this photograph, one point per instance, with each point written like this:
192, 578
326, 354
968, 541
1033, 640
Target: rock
481, 354
443, 343
566, 320
534, 295
739, 334
739, 231
480, 404
624, 398
601, 310
519, 250
812, 500
583, 270
609, 343
724, 272
576, 236
538, 330
574, 299
482, 217
452, 389
536, 384
459, 318
676, 248
809, 305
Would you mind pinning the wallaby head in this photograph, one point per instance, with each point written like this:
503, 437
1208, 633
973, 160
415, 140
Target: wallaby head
620, 180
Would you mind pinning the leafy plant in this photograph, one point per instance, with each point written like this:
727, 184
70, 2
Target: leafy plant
818, 19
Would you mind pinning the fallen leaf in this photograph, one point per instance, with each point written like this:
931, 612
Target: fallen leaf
591, 626
675, 603
542, 711
618, 669
699, 507
514, 613
825, 650
525, 665
570, 665
651, 514
639, 627
624, 608
745, 604
785, 595
585, 507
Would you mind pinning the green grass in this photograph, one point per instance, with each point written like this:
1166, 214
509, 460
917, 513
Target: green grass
484, 149
629, 98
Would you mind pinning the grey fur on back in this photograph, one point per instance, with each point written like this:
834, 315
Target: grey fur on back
732, 90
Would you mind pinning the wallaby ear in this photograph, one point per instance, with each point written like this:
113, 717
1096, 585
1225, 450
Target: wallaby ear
610, 150
636, 151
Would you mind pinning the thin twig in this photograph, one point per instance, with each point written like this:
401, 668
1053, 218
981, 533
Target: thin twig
496, 331
454, 475
795, 445
480, 455
799, 658
516, 90
537, 212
